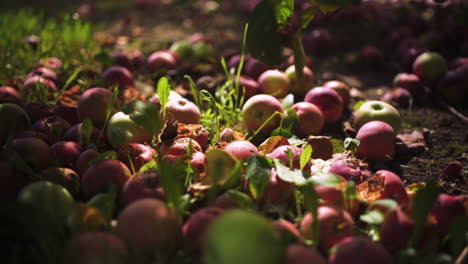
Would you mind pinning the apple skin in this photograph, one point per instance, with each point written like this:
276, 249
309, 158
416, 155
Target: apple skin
53, 127
394, 188
161, 61
66, 153
308, 80
51, 63
258, 109
310, 117
34, 151
334, 222
196, 226
430, 66
410, 82
454, 85
175, 150
328, 101
138, 154
121, 130
241, 149
377, 111
288, 230
251, 86
149, 227
66, 177
182, 111
83, 161
254, 68
300, 254
120, 76
142, 185
96, 247
29, 86
351, 249
9, 95
198, 161
280, 153
377, 141
121, 58
103, 173
274, 82
45, 73
278, 191
92, 104
342, 89
446, 209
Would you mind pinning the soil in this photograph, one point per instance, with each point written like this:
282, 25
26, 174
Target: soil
445, 136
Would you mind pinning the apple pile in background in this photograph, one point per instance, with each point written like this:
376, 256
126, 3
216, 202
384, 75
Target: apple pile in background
104, 160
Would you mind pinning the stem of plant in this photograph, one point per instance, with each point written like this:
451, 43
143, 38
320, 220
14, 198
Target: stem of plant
264, 124
299, 57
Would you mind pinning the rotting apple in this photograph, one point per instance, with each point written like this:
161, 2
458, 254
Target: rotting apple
310, 119
328, 101
377, 141
351, 171
274, 82
399, 96
377, 111
258, 109
322, 147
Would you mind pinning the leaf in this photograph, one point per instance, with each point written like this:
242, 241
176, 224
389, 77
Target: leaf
284, 9
350, 196
172, 185
271, 144
263, 39
106, 202
295, 176
195, 93
373, 217
351, 144
219, 165
87, 130
163, 90
241, 199
72, 77
290, 120
308, 15
150, 165
111, 102
287, 101
103, 57
258, 173
358, 105
305, 156
311, 204
325, 179
108, 155
423, 200
387, 203
145, 114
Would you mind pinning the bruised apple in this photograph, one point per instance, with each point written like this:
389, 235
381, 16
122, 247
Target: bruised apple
377, 141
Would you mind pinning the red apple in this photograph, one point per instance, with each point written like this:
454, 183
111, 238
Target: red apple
96, 247
135, 155
37, 86
195, 228
121, 58
102, 174
198, 161
53, 127
410, 82
84, 160
161, 61
281, 154
274, 82
258, 109
307, 82
241, 149
182, 111
359, 249
254, 68
300, 254
377, 111
45, 73
142, 185
399, 96
92, 104
318, 42
328, 101
310, 121
9, 95
64, 177
349, 170
446, 209
66, 153
119, 76
394, 188
377, 141
342, 89
250, 85
34, 151
51, 63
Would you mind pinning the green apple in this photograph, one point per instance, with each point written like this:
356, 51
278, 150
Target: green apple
307, 82
430, 66
377, 111
122, 130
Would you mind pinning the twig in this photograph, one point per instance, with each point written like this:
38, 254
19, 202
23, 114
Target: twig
454, 111
462, 258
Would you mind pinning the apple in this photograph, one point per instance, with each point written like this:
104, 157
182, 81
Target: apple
149, 228
288, 230
328, 101
351, 249
274, 82
334, 225
342, 89
37, 110
371, 56
351, 171
430, 66
51, 63
102, 174
202, 50
393, 188
300, 254
408, 56
37, 86
308, 61
280, 153
239, 236
195, 228
66, 105
277, 191
84, 160
161, 61
446, 209
182, 111
198, 161
142, 185
135, 155
66, 153
377, 111
118, 76
34, 151
318, 42
75, 133
12, 181
254, 68
33, 41
182, 50
308, 80
9, 95
399, 96
410, 82
250, 85
65, 177
377, 141
121, 58
241, 149
45, 73
92, 104
121, 130
310, 119
96, 247
454, 85
172, 96
258, 109
330, 195
53, 127
17, 119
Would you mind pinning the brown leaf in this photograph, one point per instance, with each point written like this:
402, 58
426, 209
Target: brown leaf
271, 144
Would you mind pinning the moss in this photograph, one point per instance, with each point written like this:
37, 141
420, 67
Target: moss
337, 145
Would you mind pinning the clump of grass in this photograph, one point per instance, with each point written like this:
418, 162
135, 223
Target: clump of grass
67, 38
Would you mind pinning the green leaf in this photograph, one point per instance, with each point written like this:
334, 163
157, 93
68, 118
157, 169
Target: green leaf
111, 102
290, 120
351, 144
295, 176
424, 200
325, 179
305, 156
195, 93
373, 217
308, 15
358, 105
258, 173
172, 185
311, 204
150, 165
108, 155
288, 101
219, 167
87, 130
106, 202
263, 39
72, 77
103, 57
145, 114
241, 199
284, 9
163, 90
387, 203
